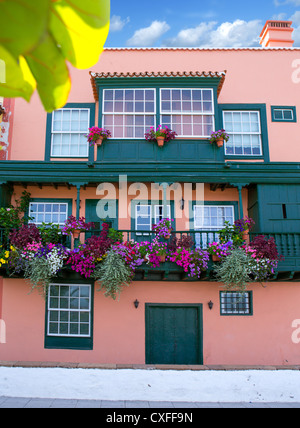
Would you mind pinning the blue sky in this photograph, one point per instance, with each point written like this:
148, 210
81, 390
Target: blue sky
196, 23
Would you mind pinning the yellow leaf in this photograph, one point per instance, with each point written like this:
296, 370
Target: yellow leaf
80, 29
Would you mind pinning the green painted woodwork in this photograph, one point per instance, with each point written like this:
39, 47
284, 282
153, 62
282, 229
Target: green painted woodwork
61, 172
180, 149
276, 212
293, 108
5, 195
173, 333
264, 127
92, 108
172, 151
279, 208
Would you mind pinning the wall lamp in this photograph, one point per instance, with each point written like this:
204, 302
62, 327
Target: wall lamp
210, 305
136, 303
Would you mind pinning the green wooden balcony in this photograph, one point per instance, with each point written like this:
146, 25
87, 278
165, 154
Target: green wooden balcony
288, 245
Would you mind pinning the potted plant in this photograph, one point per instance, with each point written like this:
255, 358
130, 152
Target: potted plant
97, 135
161, 135
243, 226
219, 137
157, 252
218, 250
163, 228
75, 227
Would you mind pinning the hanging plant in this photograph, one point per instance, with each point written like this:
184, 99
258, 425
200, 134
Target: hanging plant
112, 274
234, 271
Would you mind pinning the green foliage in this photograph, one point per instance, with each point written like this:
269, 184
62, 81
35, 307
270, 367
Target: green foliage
13, 217
112, 274
37, 40
50, 233
114, 235
234, 271
231, 233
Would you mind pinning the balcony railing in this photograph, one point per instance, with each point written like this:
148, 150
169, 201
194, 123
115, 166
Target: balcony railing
288, 244
200, 239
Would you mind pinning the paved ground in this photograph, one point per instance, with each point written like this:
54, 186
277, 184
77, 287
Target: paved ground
18, 402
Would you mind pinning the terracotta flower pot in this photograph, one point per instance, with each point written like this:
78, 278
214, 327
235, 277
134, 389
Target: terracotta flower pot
160, 141
76, 234
215, 258
168, 235
163, 258
220, 142
99, 141
246, 236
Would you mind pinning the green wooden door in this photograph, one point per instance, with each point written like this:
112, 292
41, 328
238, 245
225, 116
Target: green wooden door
92, 214
174, 334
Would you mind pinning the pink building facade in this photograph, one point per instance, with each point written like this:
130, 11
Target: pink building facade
163, 316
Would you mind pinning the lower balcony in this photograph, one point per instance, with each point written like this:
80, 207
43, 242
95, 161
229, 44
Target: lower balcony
144, 257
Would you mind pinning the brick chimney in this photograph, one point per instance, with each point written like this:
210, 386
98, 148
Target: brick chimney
277, 34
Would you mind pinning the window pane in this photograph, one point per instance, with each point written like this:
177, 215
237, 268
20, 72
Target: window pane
68, 127
46, 213
243, 128
195, 101
66, 317
235, 303
288, 114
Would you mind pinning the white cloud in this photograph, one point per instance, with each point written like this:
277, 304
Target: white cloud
296, 18
117, 24
192, 37
296, 25
146, 37
228, 34
237, 34
284, 2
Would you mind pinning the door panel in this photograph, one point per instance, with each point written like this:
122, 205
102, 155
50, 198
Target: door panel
173, 334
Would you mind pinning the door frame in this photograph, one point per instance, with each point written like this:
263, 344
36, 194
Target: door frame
198, 306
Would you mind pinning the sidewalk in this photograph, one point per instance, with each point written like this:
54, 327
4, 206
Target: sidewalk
148, 387
50, 403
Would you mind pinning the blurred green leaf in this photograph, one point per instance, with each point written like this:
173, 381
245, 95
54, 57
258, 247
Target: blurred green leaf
38, 37
23, 24
51, 74
17, 79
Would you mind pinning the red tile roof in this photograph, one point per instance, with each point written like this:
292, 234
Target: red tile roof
151, 74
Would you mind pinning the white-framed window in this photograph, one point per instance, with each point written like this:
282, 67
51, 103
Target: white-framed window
68, 134
244, 130
210, 219
189, 112
69, 310
48, 212
129, 113
145, 215
235, 303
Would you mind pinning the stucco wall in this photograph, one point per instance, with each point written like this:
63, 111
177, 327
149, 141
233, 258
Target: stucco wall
265, 338
253, 76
